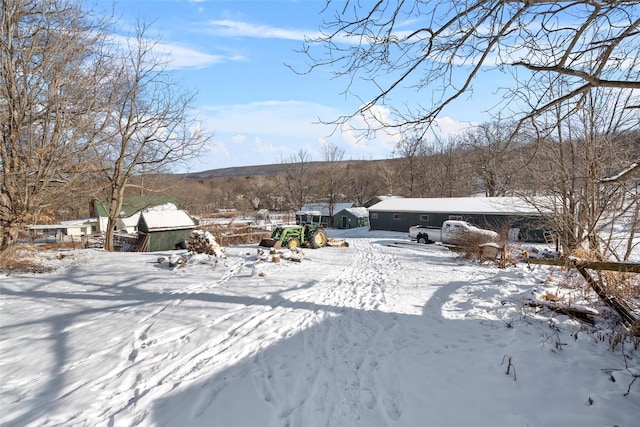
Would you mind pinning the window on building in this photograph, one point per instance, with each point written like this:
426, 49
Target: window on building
424, 218
396, 217
455, 217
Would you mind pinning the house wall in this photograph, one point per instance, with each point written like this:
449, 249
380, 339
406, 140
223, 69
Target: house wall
167, 240
121, 225
530, 228
350, 220
401, 221
79, 230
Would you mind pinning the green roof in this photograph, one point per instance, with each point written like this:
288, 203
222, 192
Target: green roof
132, 205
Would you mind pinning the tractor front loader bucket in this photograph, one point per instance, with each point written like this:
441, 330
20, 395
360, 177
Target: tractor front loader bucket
270, 242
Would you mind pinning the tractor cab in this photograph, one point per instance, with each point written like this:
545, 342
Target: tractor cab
309, 218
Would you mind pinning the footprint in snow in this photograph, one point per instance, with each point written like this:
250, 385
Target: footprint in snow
368, 398
392, 406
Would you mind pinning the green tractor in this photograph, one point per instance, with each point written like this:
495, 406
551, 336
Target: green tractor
309, 232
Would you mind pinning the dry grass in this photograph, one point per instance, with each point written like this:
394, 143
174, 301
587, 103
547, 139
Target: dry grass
23, 261
62, 245
469, 246
625, 286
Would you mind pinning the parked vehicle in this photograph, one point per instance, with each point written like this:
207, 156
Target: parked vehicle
452, 232
309, 234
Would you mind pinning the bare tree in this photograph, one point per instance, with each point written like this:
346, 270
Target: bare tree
150, 124
387, 173
571, 162
296, 180
363, 182
52, 96
437, 48
335, 177
447, 174
410, 151
492, 147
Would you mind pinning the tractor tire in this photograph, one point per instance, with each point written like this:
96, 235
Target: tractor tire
318, 239
293, 243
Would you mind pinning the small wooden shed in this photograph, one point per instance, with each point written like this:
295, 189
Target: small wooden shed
162, 230
351, 218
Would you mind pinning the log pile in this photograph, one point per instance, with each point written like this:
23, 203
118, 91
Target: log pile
203, 242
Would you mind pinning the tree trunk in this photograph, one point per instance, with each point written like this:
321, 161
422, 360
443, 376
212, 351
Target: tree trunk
8, 227
8, 236
115, 207
109, 232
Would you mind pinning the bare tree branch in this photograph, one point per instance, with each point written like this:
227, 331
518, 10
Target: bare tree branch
437, 48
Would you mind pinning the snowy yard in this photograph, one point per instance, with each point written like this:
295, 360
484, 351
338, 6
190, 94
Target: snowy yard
373, 334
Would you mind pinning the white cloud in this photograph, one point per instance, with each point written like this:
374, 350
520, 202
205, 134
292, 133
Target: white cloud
180, 57
277, 130
365, 137
239, 139
446, 126
271, 150
272, 131
176, 55
218, 148
234, 28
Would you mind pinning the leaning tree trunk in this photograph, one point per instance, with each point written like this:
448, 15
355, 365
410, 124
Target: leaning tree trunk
617, 304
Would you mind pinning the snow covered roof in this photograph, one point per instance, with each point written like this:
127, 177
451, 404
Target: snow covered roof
324, 207
470, 205
64, 224
130, 221
131, 205
78, 222
358, 212
156, 220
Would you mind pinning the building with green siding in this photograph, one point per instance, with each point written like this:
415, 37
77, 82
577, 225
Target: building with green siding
351, 218
162, 230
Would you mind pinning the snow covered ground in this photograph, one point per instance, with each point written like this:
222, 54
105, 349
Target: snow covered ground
374, 334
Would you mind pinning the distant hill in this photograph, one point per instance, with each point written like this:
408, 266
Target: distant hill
268, 169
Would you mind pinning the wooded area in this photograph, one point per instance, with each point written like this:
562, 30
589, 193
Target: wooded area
84, 117
81, 114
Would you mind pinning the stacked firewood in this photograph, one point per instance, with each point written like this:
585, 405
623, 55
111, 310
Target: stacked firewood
203, 242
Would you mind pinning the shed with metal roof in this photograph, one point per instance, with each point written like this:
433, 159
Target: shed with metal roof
161, 230
351, 218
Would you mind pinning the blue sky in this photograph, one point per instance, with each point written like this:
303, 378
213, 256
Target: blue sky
234, 53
